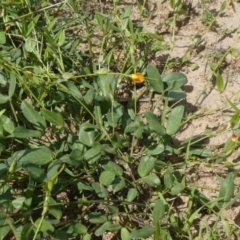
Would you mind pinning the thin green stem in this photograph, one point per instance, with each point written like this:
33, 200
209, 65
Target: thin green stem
135, 99
44, 212
8, 220
113, 122
13, 111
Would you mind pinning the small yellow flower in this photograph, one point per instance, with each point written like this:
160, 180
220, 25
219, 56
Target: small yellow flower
234, 137
137, 77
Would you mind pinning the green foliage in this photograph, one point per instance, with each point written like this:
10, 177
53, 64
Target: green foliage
76, 161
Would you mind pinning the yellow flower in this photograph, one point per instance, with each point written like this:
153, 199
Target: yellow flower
234, 137
137, 77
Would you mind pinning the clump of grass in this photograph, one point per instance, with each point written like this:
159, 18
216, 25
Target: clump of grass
76, 161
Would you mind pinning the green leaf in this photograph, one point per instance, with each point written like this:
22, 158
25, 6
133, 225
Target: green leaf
229, 145
45, 225
81, 185
236, 109
53, 169
96, 217
112, 166
61, 39
5, 228
223, 6
158, 211
87, 237
7, 124
226, 190
174, 120
154, 78
3, 98
113, 227
3, 169
98, 113
144, 232
139, 131
18, 202
235, 119
5, 200
66, 76
51, 24
35, 172
79, 228
201, 152
101, 71
118, 183
37, 156
102, 229
30, 44
2, 37
176, 189
12, 84
146, 165
219, 82
112, 209
108, 149
172, 4
27, 231
126, 17
33, 116
132, 194
168, 179
106, 178
86, 137
154, 123
88, 126
100, 190
22, 132
152, 180
115, 117
194, 66
74, 90
155, 149
107, 85
29, 194
174, 80
89, 96
59, 235
125, 235
76, 157
32, 24
116, 141
93, 154
191, 219
53, 117
175, 95
54, 209
3, 79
